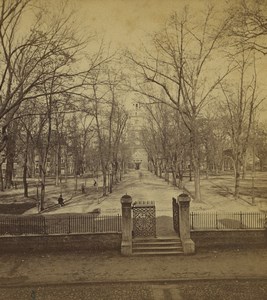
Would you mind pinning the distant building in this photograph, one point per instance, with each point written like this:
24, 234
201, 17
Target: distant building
139, 158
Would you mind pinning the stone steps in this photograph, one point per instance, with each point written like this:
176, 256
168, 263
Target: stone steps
157, 246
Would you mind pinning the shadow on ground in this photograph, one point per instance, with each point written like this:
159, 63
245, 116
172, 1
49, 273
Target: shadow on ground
164, 226
16, 208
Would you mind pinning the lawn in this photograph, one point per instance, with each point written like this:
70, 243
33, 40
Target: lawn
217, 194
12, 201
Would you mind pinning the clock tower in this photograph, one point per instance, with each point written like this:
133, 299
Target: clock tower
135, 125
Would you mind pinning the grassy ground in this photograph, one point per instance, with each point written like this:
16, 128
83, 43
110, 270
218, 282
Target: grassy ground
12, 201
217, 193
217, 189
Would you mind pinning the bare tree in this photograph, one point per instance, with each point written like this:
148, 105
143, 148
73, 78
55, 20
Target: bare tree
39, 65
249, 23
49, 50
260, 142
241, 100
110, 118
179, 67
165, 141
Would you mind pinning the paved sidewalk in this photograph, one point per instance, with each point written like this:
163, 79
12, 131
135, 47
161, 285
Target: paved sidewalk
55, 268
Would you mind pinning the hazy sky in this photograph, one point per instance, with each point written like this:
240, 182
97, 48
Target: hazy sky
128, 21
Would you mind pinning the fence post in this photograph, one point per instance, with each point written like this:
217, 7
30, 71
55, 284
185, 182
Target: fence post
192, 222
184, 224
20, 227
69, 224
241, 221
126, 207
44, 223
118, 223
216, 216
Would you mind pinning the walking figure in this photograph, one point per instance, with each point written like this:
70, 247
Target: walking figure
60, 200
95, 182
83, 188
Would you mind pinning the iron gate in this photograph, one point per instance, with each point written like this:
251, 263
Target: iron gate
175, 210
144, 219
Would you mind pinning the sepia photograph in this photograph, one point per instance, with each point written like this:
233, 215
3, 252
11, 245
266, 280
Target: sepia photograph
133, 150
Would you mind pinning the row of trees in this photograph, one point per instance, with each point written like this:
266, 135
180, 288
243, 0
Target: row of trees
62, 94
200, 88
61, 101
167, 142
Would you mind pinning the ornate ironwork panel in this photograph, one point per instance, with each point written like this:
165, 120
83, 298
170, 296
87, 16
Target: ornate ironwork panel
175, 210
144, 219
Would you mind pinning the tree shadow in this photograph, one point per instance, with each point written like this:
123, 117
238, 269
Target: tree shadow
16, 208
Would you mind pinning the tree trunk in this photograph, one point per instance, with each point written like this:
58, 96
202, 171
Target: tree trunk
237, 178
56, 172
174, 181
156, 169
121, 171
244, 167
9, 171
25, 166
125, 167
180, 175
42, 200
76, 181
1, 179
25, 184
42, 177
166, 174
190, 170
261, 162
180, 182
207, 173
10, 162
66, 168
104, 183
196, 163
197, 184
58, 166
160, 171
111, 183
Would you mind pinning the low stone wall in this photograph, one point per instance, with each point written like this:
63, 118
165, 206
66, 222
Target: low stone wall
229, 238
99, 242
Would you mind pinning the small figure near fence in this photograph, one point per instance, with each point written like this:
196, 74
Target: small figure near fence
95, 183
60, 200
83, 188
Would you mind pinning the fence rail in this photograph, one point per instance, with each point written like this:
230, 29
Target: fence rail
227, 220
59, 224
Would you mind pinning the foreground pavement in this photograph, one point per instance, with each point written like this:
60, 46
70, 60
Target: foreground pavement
81, 267
83, 275
187, 290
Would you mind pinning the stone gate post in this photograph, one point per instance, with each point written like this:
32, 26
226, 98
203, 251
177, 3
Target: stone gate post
126, 207
184, 224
